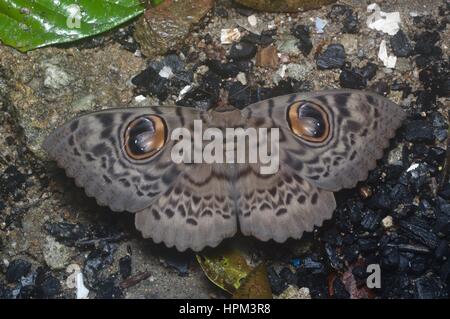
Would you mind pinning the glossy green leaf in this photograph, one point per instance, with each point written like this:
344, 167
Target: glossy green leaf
26, 24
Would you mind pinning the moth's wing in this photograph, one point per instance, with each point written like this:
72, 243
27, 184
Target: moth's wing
299, 194
182, 205
276, 204
91, 150
196, 211
281, 205
360, 126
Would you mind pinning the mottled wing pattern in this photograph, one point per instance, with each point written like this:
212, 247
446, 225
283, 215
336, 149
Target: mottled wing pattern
182, 205
361, 125
196, 211
198, 205
90, 149
279, 206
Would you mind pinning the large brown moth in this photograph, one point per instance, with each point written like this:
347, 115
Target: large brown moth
328, 140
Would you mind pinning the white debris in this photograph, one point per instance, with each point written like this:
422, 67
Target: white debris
389, 61
282, 71
252, 20
320, 24
292, 292
412, 167
82, 291
242, 78
228, 36
183, 91
387, 22
166, 72
75, 280
387, 222
138, 53
140, 98
271, 25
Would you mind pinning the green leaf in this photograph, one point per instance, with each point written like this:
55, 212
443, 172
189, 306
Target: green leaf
227, 268
29, 24
255, 286
224, 267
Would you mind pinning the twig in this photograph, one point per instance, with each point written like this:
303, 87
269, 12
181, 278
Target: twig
134, 280
93, 242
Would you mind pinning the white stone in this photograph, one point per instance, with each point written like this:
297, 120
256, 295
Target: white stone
183, 91
242, 78
412, 167
140, 98
228, 36
320, 24
75, 280
395, 156
252, 20
389, 61
55, 254
387, 222
82, 291
166, 72
292, 292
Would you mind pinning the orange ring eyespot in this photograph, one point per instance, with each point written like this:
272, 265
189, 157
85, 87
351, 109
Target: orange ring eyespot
309, 121
144, 137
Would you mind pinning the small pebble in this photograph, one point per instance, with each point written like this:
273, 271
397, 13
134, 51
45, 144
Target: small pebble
419, 131
242, 51
242, 78
400, 44
293, 292
365, 192
267, 57
125, 266
332, 58
387, 222
302, 33
17, 269
228, 36
252, 20
351, 80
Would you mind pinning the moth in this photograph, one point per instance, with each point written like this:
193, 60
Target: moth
328, 140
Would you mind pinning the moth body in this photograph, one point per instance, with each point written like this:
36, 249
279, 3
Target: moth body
274, 185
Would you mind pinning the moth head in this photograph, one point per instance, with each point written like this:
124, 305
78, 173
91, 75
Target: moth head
309, 121
145, 136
